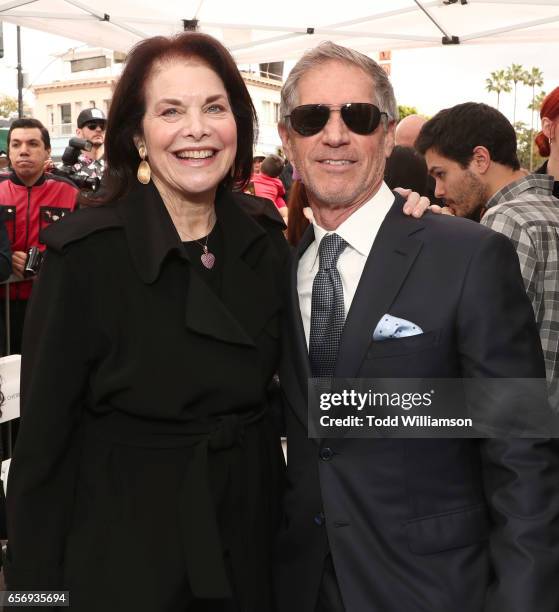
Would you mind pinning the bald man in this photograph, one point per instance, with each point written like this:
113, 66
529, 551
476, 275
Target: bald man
408, 130
406, 134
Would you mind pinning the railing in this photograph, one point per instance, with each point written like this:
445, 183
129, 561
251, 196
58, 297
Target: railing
59, 130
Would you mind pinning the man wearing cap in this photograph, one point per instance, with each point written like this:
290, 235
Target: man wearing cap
91, 126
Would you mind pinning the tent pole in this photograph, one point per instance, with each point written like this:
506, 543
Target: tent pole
510, 28
8, 6
19, 76
438, 26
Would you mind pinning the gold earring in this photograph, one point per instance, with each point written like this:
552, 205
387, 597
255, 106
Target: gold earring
144, 171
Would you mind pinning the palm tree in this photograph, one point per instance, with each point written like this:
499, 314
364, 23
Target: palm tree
533, 78
516, 74
536, 105
497, 83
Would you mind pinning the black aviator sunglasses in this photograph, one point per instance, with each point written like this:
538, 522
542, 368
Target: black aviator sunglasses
93, 125
360, 117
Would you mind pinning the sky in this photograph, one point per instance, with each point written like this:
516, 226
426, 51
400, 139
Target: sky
429, 79
432, 79
38, 50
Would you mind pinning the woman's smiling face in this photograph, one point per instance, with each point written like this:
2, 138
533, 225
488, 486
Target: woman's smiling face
189, 129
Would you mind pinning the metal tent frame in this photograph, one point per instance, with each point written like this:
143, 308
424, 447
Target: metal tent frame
412, 23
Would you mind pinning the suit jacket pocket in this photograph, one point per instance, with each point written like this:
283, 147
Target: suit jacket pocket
403, 346
432, 534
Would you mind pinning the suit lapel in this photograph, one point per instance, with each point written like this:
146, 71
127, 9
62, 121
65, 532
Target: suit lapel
391, 258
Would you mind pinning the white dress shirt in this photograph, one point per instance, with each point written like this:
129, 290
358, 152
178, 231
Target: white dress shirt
359, 231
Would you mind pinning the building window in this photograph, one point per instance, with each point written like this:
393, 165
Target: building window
270, 112
65, 113
50, 115
65, 119
92, 103
266, 111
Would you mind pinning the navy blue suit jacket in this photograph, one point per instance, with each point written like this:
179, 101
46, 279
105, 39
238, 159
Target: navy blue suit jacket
423, 525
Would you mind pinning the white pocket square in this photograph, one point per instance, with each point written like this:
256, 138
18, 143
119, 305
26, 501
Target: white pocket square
393, 327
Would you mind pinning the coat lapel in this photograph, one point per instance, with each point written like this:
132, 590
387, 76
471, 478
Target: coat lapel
298, 358
249, 294
206, 314
391, 258
250, 285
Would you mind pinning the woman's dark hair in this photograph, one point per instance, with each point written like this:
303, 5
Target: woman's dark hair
406, 168
296, 221
128, 108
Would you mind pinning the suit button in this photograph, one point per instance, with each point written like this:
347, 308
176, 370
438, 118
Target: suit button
326, 453
319, 518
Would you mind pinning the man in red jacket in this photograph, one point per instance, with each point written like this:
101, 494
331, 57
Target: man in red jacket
31, 200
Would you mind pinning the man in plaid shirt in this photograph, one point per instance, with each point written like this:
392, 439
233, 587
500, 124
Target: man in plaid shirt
470, 150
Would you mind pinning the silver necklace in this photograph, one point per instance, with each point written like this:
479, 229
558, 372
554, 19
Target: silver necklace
207, 257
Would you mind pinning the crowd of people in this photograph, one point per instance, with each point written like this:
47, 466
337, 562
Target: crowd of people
172, 330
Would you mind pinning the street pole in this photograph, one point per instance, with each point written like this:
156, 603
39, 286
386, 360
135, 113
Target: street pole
19, 76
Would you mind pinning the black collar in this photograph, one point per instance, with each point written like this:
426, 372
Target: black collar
15, 179
152, 237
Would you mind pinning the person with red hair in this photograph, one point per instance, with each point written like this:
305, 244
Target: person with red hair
547, 139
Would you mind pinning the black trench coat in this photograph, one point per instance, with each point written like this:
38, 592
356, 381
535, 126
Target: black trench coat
147, 467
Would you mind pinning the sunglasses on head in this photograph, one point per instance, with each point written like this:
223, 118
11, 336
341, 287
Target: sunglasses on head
360, 117
94, 125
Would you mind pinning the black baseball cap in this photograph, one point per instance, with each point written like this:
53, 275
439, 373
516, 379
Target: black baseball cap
91, 114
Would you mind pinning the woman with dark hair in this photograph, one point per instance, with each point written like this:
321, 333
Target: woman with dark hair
548, 139
297, 222
147, 472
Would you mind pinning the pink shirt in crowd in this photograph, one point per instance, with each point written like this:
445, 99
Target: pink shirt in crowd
267, 187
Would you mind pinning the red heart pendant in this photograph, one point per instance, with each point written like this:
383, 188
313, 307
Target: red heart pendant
208, 259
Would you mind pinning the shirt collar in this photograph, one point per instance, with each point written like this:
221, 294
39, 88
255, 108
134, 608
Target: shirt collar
15, 179
536, 183
360, 229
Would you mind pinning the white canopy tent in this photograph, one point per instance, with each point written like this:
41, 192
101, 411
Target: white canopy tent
258, 31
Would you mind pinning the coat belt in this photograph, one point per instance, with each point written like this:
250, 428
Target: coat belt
207, 574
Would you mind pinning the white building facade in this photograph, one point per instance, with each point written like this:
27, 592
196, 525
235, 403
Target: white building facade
58, 104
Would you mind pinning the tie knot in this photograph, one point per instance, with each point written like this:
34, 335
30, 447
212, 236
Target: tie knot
329, 250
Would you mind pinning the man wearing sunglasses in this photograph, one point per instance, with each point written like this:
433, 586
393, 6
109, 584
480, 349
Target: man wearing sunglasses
91, 126
397, 524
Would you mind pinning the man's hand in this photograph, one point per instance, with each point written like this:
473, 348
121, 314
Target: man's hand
307, 211
441, 210
18, 263
416, 205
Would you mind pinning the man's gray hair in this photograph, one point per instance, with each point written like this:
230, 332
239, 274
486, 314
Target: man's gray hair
326, 52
